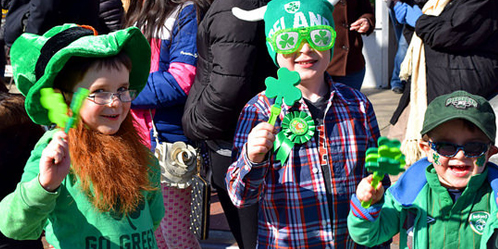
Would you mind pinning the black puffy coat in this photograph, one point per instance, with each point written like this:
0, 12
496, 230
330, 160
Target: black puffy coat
461, 48
111, 15
232, 66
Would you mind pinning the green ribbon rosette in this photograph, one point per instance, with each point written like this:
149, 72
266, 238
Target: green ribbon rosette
297, 128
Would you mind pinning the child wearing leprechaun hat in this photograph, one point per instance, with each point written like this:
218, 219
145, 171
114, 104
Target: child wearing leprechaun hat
300, 145
91, 184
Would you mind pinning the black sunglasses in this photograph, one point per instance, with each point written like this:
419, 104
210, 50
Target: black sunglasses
472, 149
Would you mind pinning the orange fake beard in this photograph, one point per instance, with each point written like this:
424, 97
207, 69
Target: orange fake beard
112, 169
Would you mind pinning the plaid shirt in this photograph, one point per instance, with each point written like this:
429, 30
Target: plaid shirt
295, 209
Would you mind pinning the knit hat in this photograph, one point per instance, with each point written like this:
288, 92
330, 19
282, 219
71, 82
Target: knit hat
286, 14
36, 60
463, 105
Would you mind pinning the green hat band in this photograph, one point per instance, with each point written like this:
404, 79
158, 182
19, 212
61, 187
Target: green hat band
461, 105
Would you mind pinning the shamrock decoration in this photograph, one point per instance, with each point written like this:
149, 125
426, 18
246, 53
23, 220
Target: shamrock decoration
292, 7
387, 159
322, 38
286, 41
297, 128
54, 103
282, 88
57, 108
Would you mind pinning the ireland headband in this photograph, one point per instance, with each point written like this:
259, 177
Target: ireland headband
282, 15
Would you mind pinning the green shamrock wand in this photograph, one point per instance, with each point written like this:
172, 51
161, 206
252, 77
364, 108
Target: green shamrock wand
57, 108
282, 88
297, 127
387, 159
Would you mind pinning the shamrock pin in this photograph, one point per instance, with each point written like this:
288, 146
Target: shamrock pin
57, 108
387, 159
297, 128
282, 88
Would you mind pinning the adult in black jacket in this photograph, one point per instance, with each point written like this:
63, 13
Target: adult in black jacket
38, 16
461, 49
232, 65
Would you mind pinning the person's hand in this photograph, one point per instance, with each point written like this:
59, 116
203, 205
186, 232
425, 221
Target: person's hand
260, 141
400, 12
365, 192
412, 15
55, 162
361, 25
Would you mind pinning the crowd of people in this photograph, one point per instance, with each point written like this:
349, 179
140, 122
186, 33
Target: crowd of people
115, 92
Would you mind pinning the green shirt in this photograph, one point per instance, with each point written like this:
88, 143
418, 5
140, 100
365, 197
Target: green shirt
69, 219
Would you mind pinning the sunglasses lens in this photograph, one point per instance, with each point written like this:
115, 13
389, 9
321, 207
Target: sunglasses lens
286, 41
322, 39
446, 149
475, 149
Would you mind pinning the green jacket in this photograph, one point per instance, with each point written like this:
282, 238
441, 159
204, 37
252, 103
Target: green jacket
423, 213
69, 219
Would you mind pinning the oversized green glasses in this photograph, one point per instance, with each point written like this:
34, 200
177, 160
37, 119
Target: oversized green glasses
288, 41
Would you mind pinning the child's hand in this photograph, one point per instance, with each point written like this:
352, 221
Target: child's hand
365, 191
55, 162
260, 141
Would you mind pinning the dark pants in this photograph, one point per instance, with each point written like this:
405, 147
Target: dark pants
243, 222
6, 243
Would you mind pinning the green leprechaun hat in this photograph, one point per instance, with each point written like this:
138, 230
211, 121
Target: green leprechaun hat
37, 59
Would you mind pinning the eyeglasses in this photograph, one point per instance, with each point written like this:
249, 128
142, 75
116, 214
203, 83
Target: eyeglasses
288, 41
104, 98
472, 149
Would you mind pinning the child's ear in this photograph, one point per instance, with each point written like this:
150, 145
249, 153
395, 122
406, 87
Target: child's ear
424, 146
492, 150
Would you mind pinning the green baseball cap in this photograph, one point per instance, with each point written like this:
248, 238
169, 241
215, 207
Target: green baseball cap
37, 59
461, 105
285, 14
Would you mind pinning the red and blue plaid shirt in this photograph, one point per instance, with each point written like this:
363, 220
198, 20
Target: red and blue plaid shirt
295, 209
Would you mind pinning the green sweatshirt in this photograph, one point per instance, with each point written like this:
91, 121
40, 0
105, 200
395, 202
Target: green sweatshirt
423, 213
69, 219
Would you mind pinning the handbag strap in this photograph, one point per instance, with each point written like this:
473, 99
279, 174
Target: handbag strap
155, 134
199, 161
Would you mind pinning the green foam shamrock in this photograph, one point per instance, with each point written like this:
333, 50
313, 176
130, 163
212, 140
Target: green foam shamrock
297, 128
54, 103
386, 159
57, 108
282, 88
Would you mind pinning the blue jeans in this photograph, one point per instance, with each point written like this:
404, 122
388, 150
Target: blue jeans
400, 53
354, 80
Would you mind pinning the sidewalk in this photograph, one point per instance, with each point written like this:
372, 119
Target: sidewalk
384, 101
